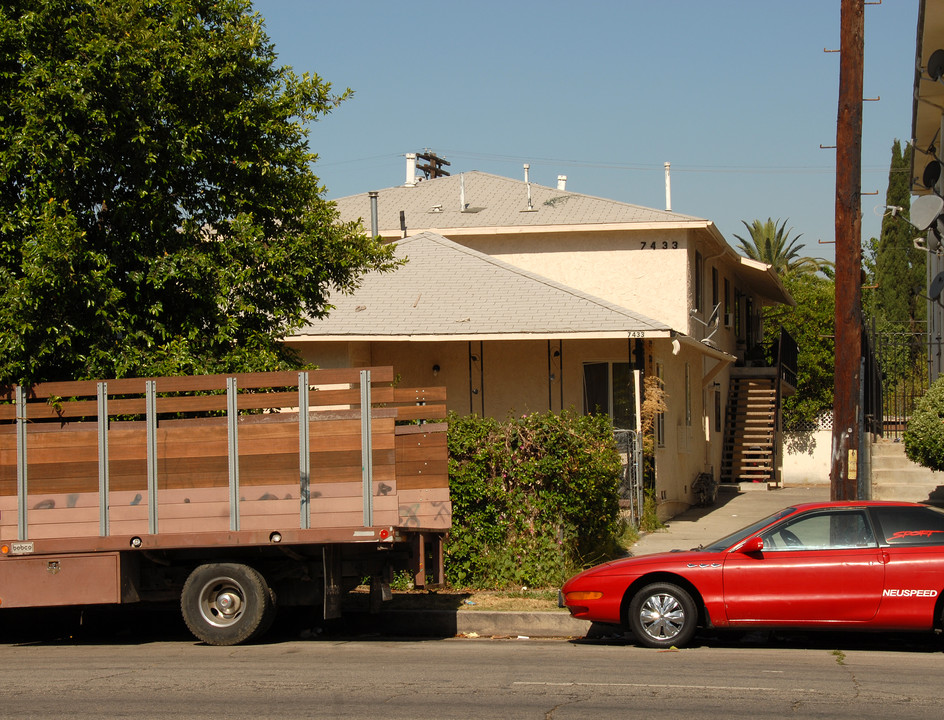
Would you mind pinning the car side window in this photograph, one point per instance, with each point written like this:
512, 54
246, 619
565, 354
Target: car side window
827, 530
910, 525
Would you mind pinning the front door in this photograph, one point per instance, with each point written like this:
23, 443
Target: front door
822, 566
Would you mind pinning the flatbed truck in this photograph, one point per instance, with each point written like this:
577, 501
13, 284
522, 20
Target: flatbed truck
234, 494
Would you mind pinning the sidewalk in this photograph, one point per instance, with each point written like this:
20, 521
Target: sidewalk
696, 526
731, 512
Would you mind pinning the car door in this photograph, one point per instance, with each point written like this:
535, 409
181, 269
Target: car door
912, 538
822, 566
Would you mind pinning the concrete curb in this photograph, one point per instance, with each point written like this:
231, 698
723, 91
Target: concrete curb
484, 623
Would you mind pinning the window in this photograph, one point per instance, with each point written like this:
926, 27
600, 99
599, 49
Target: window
609, 388
830, 530
699, 272
714, 289
749, 322
718, 411
660, 417
738, 329
911, 526
688, 394
727, 303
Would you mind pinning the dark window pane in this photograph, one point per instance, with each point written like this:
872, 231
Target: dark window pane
624, 404
596, 388
911, 526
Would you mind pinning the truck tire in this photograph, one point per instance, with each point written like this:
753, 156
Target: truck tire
226, 603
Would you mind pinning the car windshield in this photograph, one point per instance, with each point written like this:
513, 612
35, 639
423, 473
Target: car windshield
744, 533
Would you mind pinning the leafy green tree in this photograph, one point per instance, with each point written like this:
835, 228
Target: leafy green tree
771, 243
811, 324
158, 210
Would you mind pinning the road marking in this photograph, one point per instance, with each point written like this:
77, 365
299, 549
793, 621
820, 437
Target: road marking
654, 685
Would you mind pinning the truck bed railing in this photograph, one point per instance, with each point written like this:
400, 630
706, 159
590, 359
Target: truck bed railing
259, 457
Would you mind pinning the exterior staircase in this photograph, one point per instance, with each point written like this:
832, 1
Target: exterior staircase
750, 435
895, 477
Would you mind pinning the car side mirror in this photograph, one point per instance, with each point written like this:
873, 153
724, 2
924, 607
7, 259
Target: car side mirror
752, 545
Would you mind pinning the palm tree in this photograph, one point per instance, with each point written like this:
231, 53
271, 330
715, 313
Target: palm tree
772, 244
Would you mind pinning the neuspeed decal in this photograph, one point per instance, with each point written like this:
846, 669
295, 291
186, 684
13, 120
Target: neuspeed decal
908, 592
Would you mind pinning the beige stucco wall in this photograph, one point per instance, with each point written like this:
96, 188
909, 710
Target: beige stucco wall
491, 378
515, 377
690, 447
611, 266
646, 271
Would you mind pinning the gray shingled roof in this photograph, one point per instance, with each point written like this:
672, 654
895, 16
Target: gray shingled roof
494, 201
449, 291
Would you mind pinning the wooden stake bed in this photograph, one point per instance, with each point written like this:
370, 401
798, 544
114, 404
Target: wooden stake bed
181, 462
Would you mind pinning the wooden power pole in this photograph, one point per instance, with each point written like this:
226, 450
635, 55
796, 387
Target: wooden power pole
843, 475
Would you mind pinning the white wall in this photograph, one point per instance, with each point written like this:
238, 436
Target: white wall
806, 457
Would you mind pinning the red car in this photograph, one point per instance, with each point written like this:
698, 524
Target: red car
875, 565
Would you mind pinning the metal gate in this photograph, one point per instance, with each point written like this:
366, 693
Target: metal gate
629, 445
902, 359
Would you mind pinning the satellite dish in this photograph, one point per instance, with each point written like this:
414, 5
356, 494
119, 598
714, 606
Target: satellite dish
925, 210
936, 65
937, 286
932, 173
934, 236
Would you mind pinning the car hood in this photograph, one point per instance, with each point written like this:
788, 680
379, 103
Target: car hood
669, 561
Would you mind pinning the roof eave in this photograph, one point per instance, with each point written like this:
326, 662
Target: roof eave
475, 337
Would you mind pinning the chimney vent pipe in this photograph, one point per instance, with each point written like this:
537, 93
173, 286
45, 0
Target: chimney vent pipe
668, 188
527, 180
410, 170
562, 182
373, 195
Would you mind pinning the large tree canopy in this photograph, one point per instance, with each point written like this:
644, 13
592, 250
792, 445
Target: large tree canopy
158, 211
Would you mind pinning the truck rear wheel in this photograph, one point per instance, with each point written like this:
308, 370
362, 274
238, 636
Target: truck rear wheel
226, 603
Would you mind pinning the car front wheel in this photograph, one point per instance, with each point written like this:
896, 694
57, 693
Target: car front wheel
662, 615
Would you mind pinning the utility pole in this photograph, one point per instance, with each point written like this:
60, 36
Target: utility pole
434, 164
843, 475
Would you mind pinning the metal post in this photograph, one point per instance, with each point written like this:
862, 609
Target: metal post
103, 478
304, 452
21, 474
367, 459
848, 253
232, 417
150, 403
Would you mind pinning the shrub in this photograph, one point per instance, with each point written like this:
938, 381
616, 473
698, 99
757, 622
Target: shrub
924, 438
533, 498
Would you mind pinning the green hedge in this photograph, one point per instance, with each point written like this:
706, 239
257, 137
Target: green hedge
533, 498
924, 438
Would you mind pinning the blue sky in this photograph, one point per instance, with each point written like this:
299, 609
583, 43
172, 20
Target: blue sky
737, 94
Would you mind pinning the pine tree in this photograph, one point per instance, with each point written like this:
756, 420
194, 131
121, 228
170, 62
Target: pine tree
899, 266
